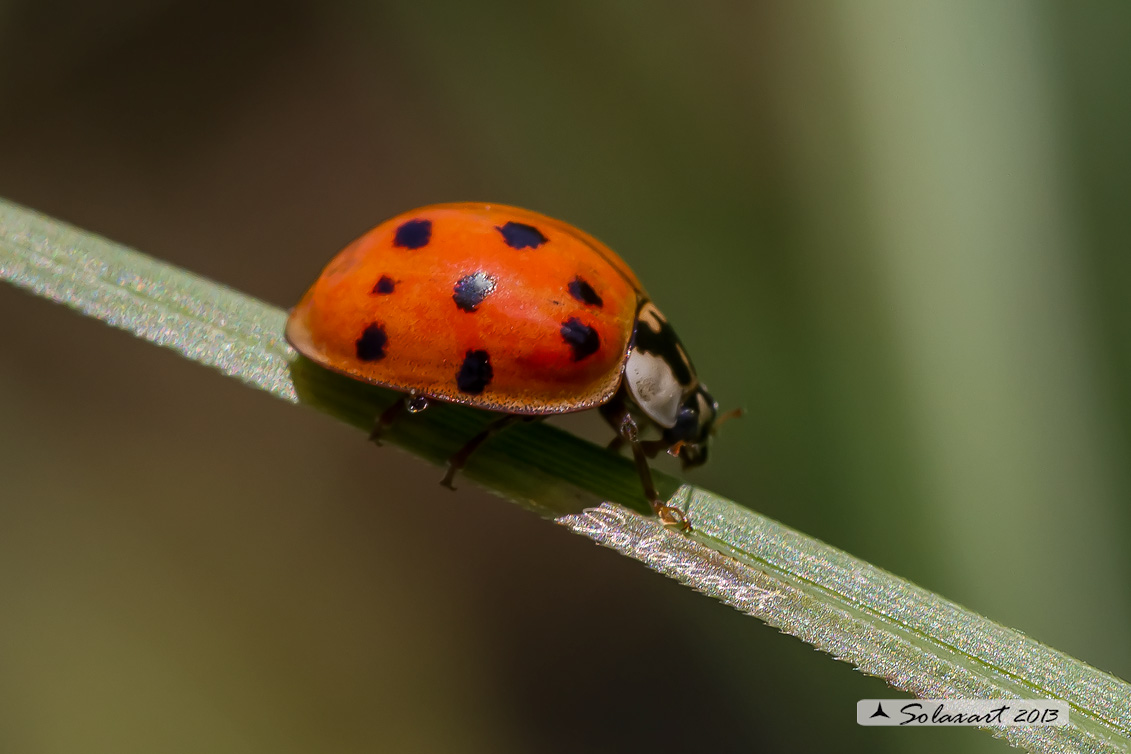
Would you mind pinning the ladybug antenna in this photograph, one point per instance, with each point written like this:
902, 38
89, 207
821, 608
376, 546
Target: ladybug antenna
732, 414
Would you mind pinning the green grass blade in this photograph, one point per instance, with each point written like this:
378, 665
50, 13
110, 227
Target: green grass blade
884, 625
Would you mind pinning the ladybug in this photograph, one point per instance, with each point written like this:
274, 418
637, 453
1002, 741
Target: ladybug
507, 310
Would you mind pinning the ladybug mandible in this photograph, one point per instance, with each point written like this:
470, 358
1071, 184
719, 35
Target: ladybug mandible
507, 310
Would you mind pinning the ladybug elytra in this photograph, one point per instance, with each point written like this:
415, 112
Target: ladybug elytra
512, 311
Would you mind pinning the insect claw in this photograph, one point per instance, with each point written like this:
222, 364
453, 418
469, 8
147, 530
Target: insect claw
669, 515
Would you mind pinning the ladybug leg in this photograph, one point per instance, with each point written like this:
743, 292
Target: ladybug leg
413, 403
669, 515
653, 447
459, 458
387, 418
625, 426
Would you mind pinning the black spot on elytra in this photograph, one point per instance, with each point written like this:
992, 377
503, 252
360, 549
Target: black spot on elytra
580, 337
371, 344
385, 285
521, 236
413, 234
580, 289
472, 289
475, 373
664, 344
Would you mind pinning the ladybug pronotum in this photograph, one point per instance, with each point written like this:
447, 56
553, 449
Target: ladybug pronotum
512, 311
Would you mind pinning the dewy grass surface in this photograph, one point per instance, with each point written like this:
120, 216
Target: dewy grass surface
884, 625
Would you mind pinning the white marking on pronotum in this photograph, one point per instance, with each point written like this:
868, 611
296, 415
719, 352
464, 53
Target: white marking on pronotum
653, 386
650, 378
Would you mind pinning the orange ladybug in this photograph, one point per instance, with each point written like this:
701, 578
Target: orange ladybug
512, 311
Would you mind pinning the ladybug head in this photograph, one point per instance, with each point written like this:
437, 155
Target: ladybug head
694, 425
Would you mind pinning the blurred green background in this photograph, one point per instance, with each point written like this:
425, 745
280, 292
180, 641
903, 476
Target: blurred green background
895, 232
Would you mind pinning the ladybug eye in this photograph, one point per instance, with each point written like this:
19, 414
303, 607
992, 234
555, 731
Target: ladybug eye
695, 418
686, 424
